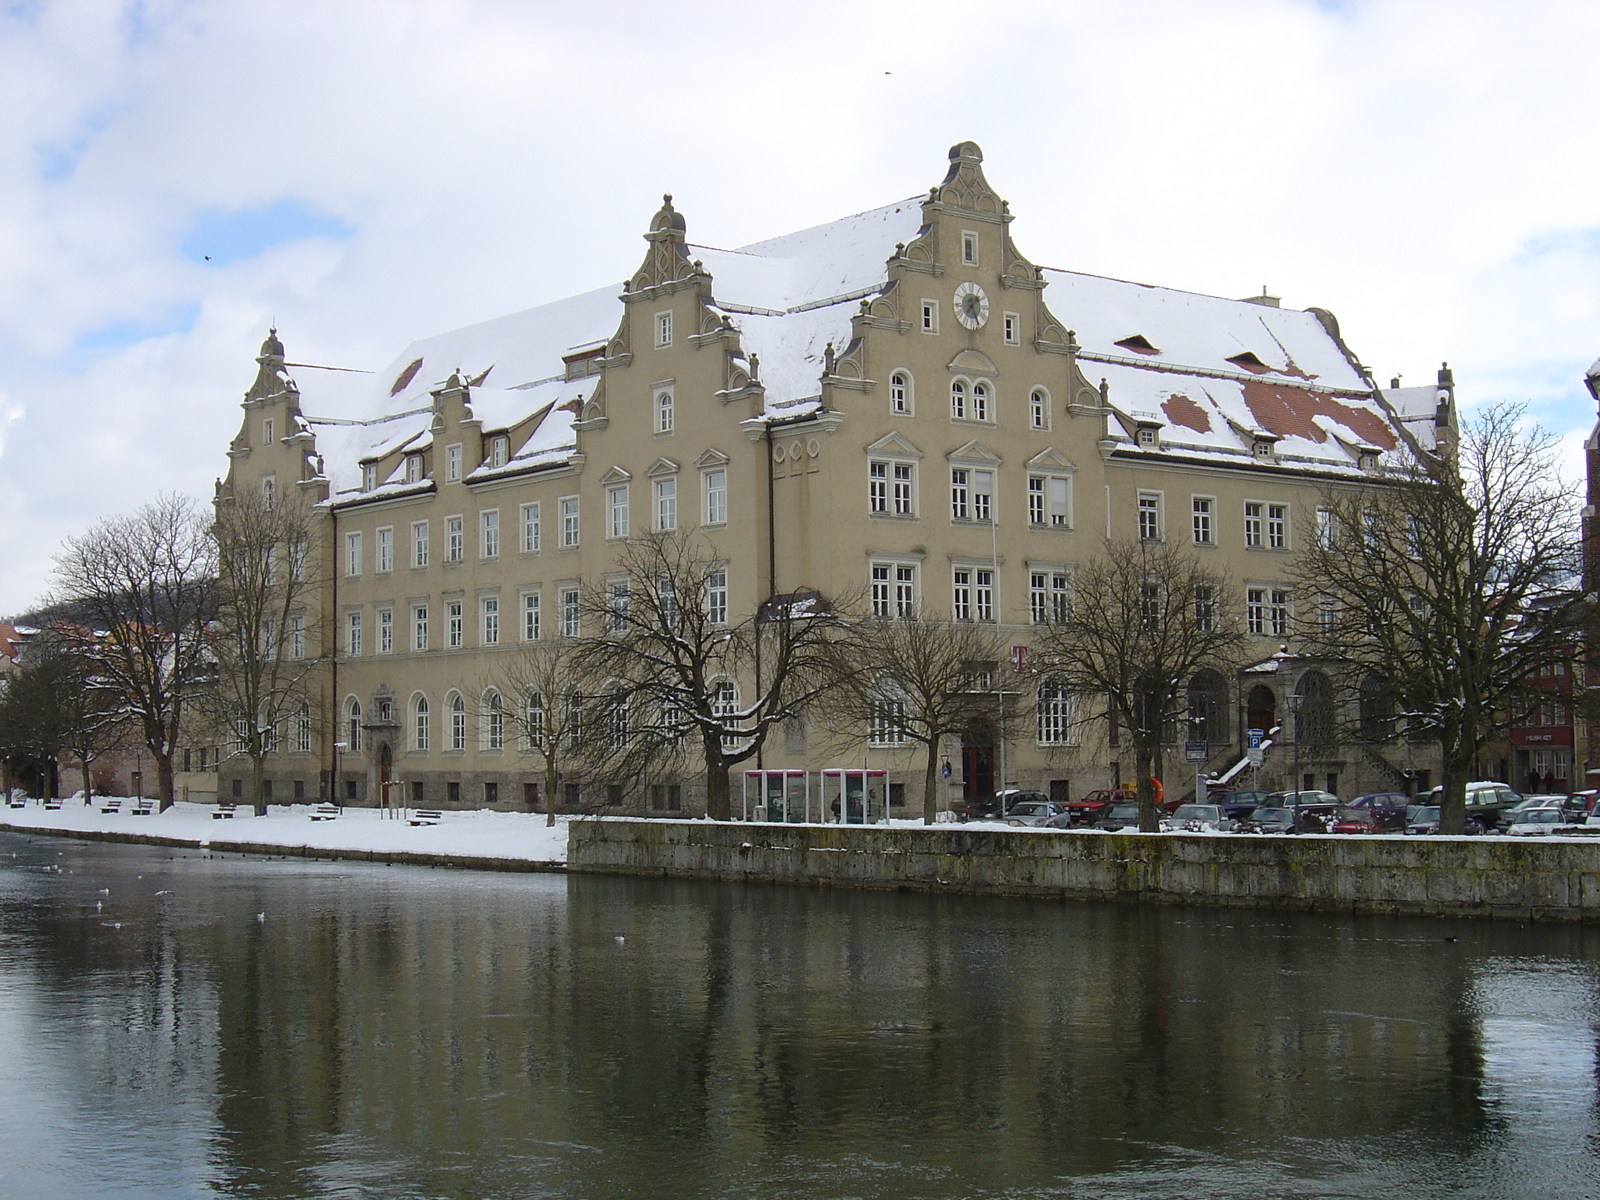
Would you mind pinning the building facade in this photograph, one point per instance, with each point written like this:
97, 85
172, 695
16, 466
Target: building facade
898, 405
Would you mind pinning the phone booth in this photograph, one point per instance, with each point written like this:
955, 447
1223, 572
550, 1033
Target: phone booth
777, 796
855, 797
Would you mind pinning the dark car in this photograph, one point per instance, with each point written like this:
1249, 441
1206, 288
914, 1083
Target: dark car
1242, 804
1268, 818
990, 809
1487, 802
1375, 812
1092, 806
1118, 816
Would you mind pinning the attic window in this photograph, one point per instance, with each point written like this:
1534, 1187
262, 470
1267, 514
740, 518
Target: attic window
413, 468
1367, 461
402, 380
369, 476
1139, 344
1249, 362
580, 366
1263, 449
497, 451
1147, 436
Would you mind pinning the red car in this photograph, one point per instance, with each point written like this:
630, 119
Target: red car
1081, 812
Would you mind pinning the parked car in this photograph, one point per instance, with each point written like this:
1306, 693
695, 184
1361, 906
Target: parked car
1540, 822
1241, 804
1094, 805
1486, 801
1196, 817
1000, 805
1031, 812
1422, 818
1375, 812
1117, 817
1268, 818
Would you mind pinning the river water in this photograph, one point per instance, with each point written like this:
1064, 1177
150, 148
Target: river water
175, 1025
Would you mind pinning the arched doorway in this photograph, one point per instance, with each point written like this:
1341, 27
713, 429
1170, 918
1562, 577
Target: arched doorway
1260, 708
1314, 720
977, 765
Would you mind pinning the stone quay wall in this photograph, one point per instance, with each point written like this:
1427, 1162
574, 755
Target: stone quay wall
1523, 879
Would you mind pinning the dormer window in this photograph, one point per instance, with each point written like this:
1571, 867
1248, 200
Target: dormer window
1367, 461
1249, 362
1138, 343
498, 450
369, 476
413, 468
1262, 450
1147, 437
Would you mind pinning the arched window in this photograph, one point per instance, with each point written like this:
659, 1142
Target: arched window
1376, 710
302, 728
352, 726
1260, 708
958, 399
494, 722
1039, 408
1057, 723
1314, 720
533, 720
419, 722
724, 706
980, 401
900, 396
1208, 708
458, 721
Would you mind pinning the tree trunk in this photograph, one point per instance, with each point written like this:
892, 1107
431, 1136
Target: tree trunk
88, 784
552, 780
1149, 819
719, 803
258, 777
163, 776
930, 785
1453, 794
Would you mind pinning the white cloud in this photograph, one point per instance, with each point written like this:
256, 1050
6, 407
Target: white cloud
1423, 168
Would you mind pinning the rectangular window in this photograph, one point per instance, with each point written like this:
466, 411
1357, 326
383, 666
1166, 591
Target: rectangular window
878, 487
452, 624
1205, 607
1279, 612
530, 616
569, 612
352, 554
414, 468
266, 431
1009, 327
664, 411
930, 316
297, 560
969, 247
489, 612
499, 449
960, 494
717, 596
1326, 611
530, 528
1277, 526
1049, 501
369, 476
489, 533
569, 522
454, 540
385, 551
617, 510
972, 594
419, 627
419, 543
886, 726
666, 505
1201, 506
663, 329
1047, 596
894, 589
716, 497
452, 462
1325, 528
1255, 610
1149, 516
1252, 524
352, 634
1057, 724
297, 637
386, 631
617, 604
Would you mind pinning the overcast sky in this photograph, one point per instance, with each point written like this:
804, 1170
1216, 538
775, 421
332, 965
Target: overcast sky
368, 173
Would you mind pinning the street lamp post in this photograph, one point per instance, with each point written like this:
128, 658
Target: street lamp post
1295, 701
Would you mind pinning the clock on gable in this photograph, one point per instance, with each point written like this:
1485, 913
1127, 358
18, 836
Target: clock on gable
972, 306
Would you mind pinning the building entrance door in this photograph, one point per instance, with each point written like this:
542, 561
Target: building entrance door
385, 770
977, 776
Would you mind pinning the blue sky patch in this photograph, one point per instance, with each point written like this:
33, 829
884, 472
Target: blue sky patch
119, 334
220, 237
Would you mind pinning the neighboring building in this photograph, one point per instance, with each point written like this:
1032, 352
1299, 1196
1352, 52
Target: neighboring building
897, 404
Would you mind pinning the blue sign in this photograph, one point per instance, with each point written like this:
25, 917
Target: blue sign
1253, 739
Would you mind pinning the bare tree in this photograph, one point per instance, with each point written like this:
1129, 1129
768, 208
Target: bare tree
145, 583
662, 636
913, 679
1446, 587
545, 697
57, 702
1144, 617
266, 591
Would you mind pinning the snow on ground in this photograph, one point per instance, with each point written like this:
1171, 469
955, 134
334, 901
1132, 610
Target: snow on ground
468, 834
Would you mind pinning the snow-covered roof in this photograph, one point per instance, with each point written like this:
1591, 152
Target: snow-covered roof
1417, 408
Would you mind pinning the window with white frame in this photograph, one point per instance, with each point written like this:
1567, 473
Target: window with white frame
1200, 518
489, 533
1152, 605
958, 399
1253, 522
972, 594
352, 554
386, 631
1011, 328
1149, 516
369, 476
530, 528
617, 511
452, 463
930, 316
886, 722
419, 543
969, 247
352, 726
533, 719
1325, 528
352, 634
716, 491
302, 729
617, 605
1266, 611
489, 620
569, 612
725, 707
1277, 526
891, 488
419, 626
458, 721
1039, 408
266, 432
385, 551
1050, 501
297, 560
569, 522
666, 504
453, 632
297, 636
900, 397
1047, 596
1327, 612
1057, 721
499, 451
1205, 607
971, 494
894, 589
530, 616
980, 401
664, 416
269, 637
663, 329
269, 491
494, 733
717, 596
454, 540
419, 722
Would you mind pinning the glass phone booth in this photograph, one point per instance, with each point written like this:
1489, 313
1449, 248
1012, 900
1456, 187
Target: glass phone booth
777, 796
855, 797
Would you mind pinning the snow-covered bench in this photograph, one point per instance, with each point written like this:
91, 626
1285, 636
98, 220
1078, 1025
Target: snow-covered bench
18, 800
53, 803
142, 808
426, 816
111, 806
223, 811
326, 812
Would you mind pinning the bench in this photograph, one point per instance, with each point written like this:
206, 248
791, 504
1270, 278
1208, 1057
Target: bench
53, 805
426, 816
18, 802
111, 806
143, 808
326, 812
223, 810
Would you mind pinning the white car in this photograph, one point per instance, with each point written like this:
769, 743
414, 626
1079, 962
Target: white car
1538, 822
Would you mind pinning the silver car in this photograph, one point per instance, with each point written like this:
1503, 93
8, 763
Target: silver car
1194, 818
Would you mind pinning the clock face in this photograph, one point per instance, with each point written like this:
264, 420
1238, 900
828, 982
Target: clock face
972, 306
